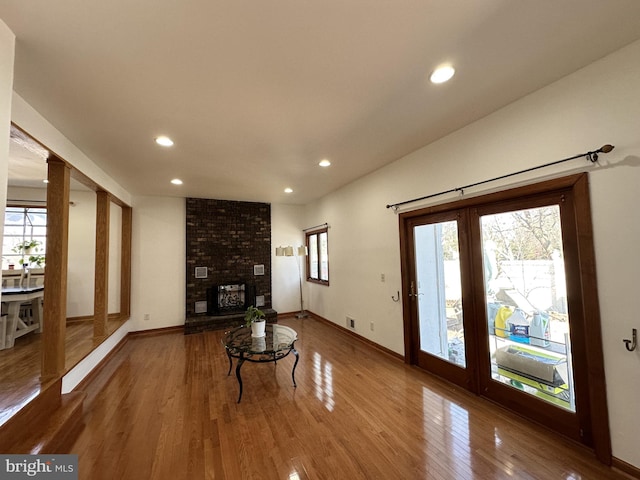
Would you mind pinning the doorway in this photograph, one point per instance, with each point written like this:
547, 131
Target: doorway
500, 298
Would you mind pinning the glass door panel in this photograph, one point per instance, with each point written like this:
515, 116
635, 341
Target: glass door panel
313, 256
438, 291
528, 320
324, 257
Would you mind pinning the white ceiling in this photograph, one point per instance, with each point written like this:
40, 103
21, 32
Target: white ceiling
255, 93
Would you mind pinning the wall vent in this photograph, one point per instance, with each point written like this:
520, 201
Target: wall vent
200, 307
201, 272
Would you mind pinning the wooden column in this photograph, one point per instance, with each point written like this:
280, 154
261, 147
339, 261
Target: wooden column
125, 263
55, 298
101, 296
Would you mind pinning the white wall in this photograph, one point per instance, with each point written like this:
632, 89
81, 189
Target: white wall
286, 229
7, 47
82, 254
115, 257
158, 262
596, 105
26, 195
159, 250
363, 245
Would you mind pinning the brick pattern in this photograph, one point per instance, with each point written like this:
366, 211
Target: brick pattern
228, 238
205, 323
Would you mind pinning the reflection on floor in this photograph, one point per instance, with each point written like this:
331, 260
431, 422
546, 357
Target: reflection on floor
165, 407
20, 365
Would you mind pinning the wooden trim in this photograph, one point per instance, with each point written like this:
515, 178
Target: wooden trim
592, 323
356, 336
89, 318
55, 299
98, 368
80, 319
25, 204
85, 180
157, 331
96, 187
407, 260
508, 194
101, 288
317, 233
125, 262
625, 467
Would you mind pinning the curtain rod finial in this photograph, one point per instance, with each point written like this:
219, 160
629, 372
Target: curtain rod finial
606, 148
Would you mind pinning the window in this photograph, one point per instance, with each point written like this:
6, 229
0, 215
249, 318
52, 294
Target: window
317, 243
25, 237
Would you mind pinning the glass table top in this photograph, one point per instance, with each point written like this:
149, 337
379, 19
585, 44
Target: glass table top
277, 338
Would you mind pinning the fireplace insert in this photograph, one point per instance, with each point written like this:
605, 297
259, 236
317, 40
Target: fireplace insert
228, 298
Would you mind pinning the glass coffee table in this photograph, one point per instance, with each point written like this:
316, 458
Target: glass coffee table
277, 342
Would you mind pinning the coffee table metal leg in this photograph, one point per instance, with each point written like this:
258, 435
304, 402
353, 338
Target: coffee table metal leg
293, 371
230, 362
240, 362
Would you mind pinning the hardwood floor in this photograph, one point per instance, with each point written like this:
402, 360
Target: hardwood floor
164, 408
20, 366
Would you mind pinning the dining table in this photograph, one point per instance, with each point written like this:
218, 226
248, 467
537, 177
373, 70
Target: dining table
23, 307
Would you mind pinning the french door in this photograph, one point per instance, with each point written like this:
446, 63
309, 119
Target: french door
437, 288
500, 298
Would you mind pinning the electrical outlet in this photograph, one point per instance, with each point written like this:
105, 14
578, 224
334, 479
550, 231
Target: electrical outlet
382, 277
147, 317
371, 326
351, 323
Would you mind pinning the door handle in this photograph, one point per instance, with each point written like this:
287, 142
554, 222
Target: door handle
413, 291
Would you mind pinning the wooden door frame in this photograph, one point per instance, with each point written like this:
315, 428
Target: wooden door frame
585, 284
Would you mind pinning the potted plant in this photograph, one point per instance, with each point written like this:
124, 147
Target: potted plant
26, 247
34, 260
29, 249
254, 318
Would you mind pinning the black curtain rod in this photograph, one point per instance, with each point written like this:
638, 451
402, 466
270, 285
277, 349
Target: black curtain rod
323, 225
592, 156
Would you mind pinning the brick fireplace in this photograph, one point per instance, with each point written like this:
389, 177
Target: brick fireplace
228, 262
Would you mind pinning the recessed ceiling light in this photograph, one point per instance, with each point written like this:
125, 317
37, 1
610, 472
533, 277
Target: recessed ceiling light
324, 163
442, 74
164, 141
176, 181
288, 190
